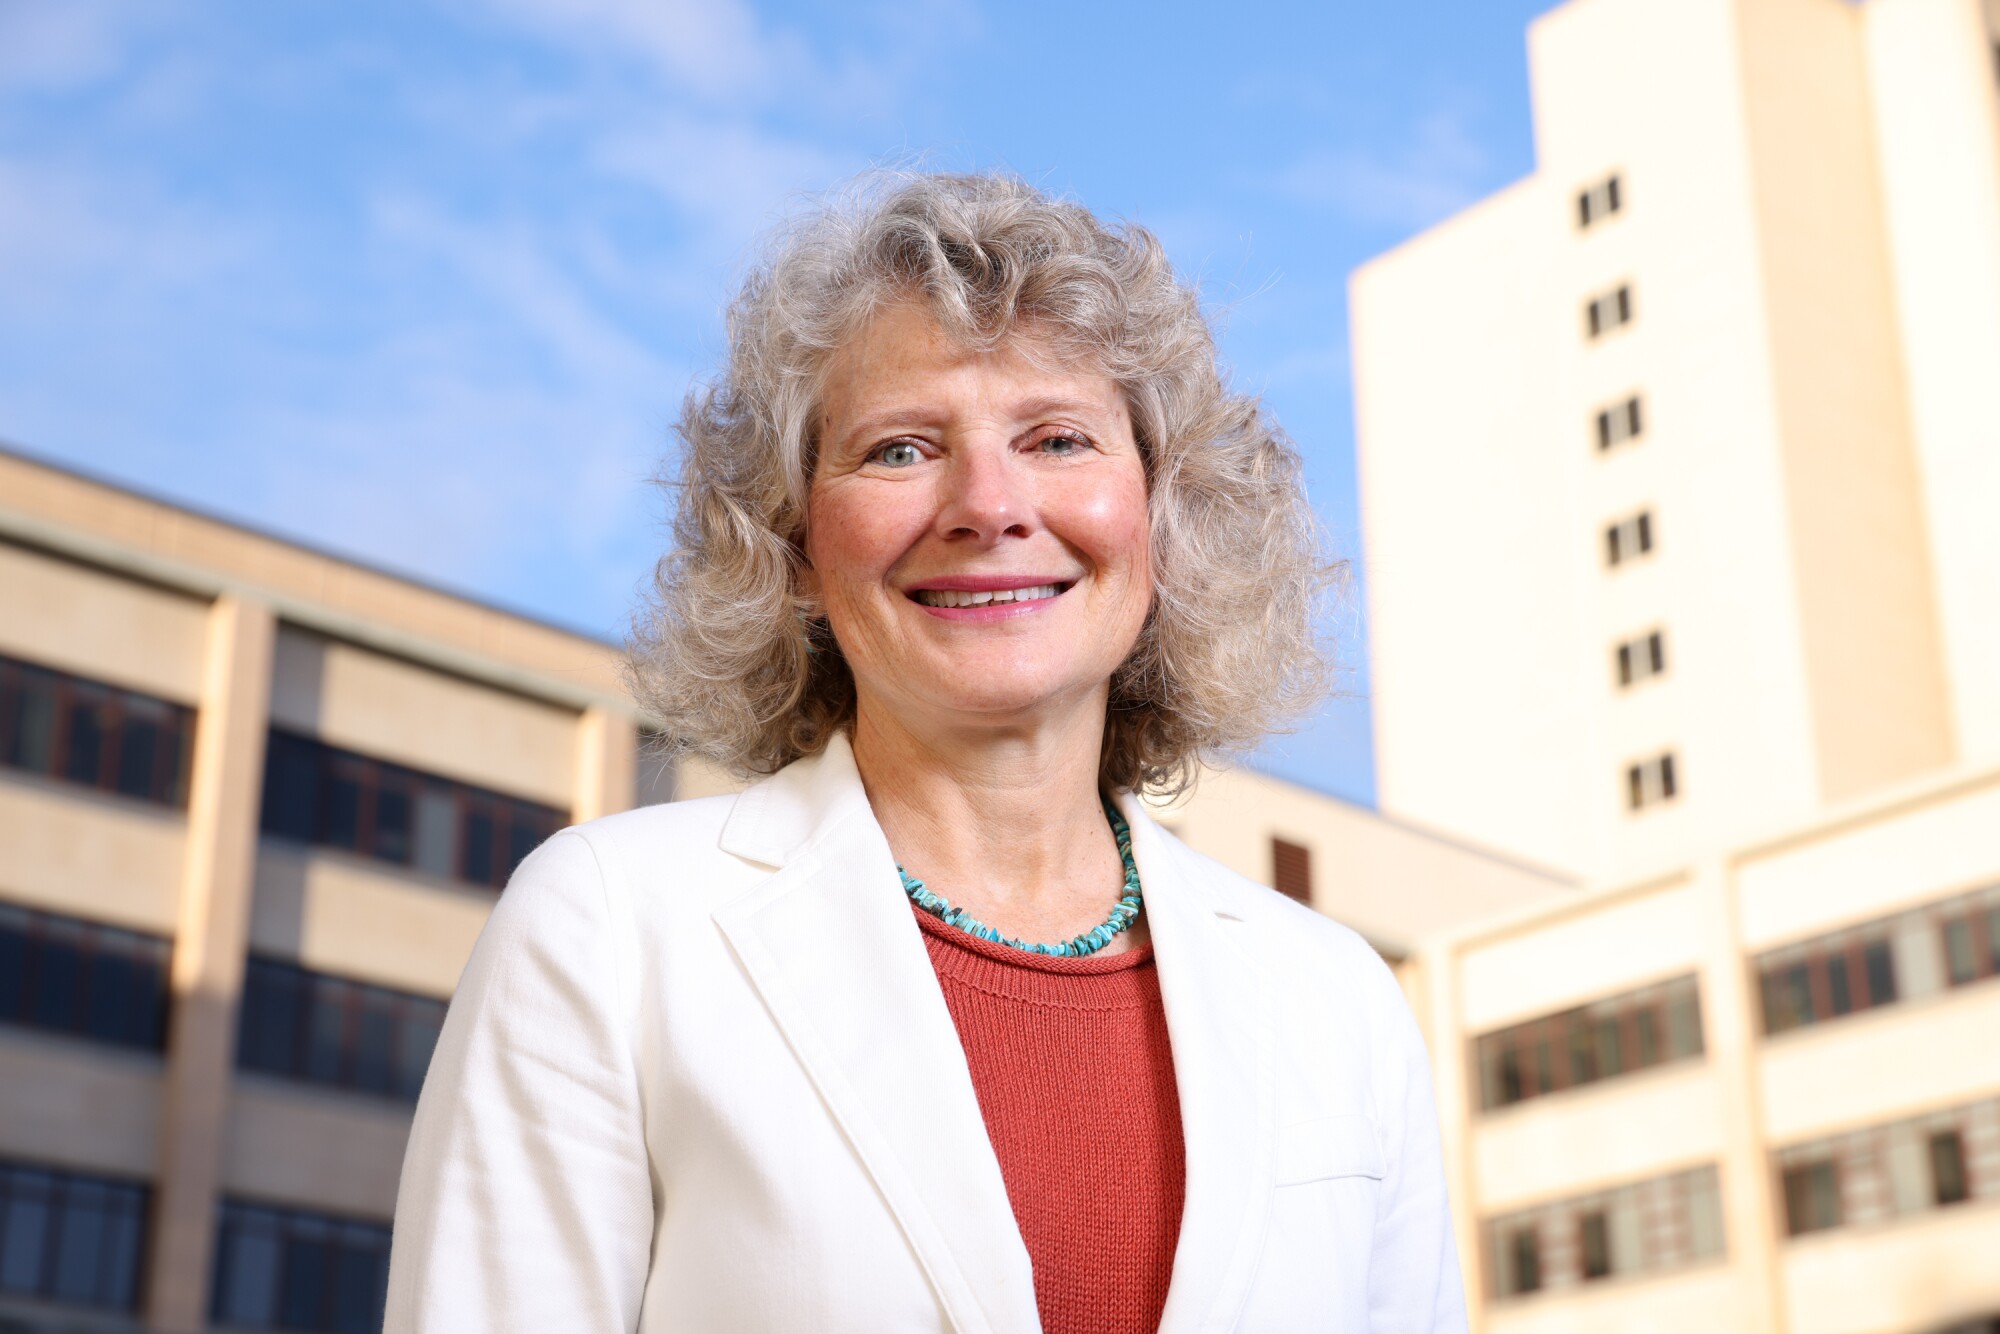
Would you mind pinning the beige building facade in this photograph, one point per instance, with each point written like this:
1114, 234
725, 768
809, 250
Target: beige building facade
1677, 465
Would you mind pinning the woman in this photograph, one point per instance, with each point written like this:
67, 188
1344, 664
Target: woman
933, 1028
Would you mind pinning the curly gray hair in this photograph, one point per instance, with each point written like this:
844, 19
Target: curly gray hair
727, 652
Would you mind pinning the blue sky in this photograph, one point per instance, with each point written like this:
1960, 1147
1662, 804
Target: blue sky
424, 282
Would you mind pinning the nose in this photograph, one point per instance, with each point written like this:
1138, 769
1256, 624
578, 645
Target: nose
987, 495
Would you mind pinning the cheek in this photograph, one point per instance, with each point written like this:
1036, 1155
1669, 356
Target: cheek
1116, 528
854, 540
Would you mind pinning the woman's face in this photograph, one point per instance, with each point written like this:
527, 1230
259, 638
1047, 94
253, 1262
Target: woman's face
977, 527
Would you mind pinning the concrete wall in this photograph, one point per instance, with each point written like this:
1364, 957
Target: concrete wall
77, 619
396, 710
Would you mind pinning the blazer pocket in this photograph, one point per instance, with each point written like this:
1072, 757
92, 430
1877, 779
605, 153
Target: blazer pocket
1332, 1146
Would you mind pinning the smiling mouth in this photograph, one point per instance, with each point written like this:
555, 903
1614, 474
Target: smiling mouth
952, 597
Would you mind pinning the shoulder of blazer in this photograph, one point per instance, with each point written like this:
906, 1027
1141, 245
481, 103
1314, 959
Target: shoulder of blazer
674, 846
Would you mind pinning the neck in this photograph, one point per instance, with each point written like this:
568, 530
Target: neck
1003, 820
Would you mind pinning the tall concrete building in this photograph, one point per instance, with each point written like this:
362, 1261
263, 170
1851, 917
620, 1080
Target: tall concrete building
1678, 457
1678, 461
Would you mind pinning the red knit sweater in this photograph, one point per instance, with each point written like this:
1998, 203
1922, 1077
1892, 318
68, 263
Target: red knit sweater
1075, 1080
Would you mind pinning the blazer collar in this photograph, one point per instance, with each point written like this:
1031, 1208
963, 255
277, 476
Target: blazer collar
836, 956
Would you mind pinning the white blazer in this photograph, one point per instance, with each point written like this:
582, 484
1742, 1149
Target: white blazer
699, 1076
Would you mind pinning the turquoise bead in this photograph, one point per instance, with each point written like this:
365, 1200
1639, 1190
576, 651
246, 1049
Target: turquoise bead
1123, 913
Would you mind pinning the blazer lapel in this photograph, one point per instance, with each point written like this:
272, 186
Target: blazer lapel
832, 949
1220, 1023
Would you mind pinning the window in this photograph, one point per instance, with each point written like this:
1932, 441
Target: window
1612, 309
1651, 782
1642, 1227
1947, 1162
1291, 870
1897, 1169
95, 735
70, 1238
1812, 1197
314, 793
1619, 423
1520, 1261
284, 1269
1642, 658
1972, 939
1629, 538
1596, 1244
1918, 952
84, 979
1620, 1035
328, 1030
1598, 202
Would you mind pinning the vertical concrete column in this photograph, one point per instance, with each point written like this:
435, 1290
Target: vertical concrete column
1449, 1072
1729, 1015
207, 975
607, 760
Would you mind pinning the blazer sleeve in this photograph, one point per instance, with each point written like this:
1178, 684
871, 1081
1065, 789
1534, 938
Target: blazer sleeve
1414, 1283
526, 1201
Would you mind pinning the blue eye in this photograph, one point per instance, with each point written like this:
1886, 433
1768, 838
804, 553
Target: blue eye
898, 454
1064, 444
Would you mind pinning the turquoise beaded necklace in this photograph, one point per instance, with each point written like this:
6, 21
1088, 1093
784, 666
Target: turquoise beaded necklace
1123, 914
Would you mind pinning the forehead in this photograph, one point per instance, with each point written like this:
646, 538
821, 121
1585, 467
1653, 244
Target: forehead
900, 355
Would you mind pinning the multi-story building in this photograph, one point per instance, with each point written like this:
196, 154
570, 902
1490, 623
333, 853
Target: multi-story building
255, 803
1677, 459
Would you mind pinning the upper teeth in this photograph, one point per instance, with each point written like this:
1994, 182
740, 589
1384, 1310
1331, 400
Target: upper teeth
951, 597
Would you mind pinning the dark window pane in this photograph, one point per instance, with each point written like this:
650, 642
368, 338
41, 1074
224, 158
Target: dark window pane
1644, 524
1812, 1198
1596, 1241
57, 982
1524, 1261
86, 727
392, 820
359, 1275
375, 1040
1611, 195
327, 1043
79, 1243
479, 832
274, 999
1646, 1025
1511, 1088
1993, 940
291, 787
138, 756
1839, 994
31, 731
1947, 1153
1582, 1054
246, 1290
26, 1223
122, 1227
14, 927
1881, 968
1668, 785
1961, 963
340, 812
1545, 1067
1610, 1050
112, 997
302, 1299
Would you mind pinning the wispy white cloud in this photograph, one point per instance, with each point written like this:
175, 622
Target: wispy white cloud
1440, 168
